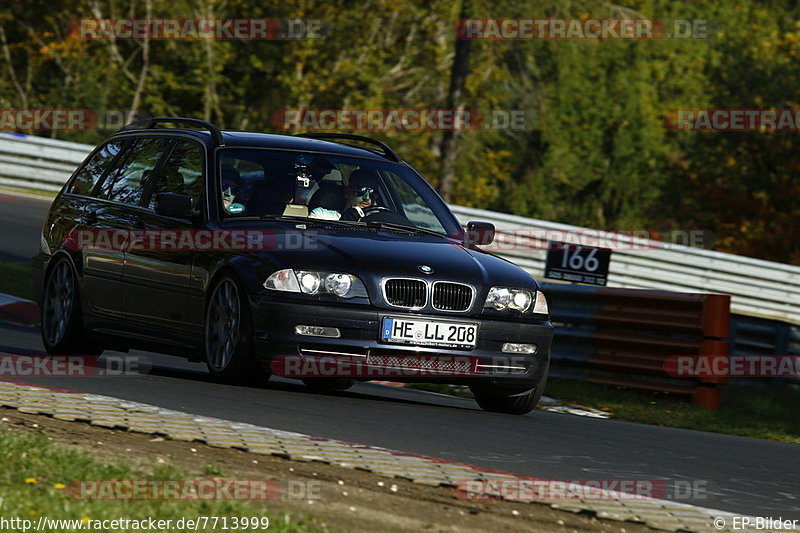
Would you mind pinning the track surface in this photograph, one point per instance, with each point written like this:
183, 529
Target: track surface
21, 221
744, 475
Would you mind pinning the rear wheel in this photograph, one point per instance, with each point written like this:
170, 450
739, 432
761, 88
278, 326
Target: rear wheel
515, 403
62, 318
229, 336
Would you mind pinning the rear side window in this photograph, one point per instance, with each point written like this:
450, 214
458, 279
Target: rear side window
182, 173
92, 171
126, 182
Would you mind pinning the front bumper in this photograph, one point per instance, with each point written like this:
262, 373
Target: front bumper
274, 321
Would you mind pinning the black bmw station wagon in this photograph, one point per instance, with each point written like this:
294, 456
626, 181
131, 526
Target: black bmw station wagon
257, 253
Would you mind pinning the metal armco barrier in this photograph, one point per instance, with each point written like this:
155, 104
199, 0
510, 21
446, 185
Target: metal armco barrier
758, 336
37, 162
757, 287
623, 336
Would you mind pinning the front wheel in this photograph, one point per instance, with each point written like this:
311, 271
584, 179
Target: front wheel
497, 401
62, 318
229, 336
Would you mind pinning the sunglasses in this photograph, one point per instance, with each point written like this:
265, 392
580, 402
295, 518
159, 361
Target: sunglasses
364, 193
229, 190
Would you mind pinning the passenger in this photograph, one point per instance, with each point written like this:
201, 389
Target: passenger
330, 199
229, 185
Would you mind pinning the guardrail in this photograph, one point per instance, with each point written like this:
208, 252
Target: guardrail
624, 336
758, 288
37, 162
758, 336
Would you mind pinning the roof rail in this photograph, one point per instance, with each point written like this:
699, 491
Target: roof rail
150, 122
387, 152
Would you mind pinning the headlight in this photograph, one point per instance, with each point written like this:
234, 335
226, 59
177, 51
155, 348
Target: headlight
314, 282
309, 282
339, 284
504, 298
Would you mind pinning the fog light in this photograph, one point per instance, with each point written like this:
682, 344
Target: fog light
318, 331
513, 347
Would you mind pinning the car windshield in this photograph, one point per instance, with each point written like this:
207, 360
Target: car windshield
269, 183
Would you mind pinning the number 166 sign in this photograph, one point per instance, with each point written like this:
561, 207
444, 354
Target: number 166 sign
580, 264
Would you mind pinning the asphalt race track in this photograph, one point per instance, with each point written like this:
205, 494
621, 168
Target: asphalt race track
744, 476
21, 221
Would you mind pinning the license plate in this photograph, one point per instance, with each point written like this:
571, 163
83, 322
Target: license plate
429, 332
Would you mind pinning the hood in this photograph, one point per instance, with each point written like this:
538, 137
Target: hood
374, 254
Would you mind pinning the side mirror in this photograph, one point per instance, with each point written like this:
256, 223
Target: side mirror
170, 204
479, 233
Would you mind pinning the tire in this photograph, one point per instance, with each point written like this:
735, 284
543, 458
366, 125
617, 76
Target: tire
62, 314
324, 384
228, 336
519, 403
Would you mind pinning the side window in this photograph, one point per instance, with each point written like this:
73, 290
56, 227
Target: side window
126, 182
92, 171
182, 173
239, 182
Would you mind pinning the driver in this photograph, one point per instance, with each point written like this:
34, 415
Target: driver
361, 192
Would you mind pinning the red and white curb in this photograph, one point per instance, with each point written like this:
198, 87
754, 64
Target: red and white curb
119, 414
18, 310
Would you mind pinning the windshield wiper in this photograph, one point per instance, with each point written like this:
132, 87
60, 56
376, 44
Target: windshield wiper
352, 223
403, 227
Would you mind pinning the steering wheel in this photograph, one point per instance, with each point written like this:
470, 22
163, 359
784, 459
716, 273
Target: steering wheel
373, 210
352, 214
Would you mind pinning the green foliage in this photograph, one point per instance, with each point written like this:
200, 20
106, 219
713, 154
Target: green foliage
595, 149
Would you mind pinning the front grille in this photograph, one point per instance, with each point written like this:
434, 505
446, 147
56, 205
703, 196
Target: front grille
451, 296
405, 292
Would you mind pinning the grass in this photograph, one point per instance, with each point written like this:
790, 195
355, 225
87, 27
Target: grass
763, 413
16, 279
36, 473
24, 190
